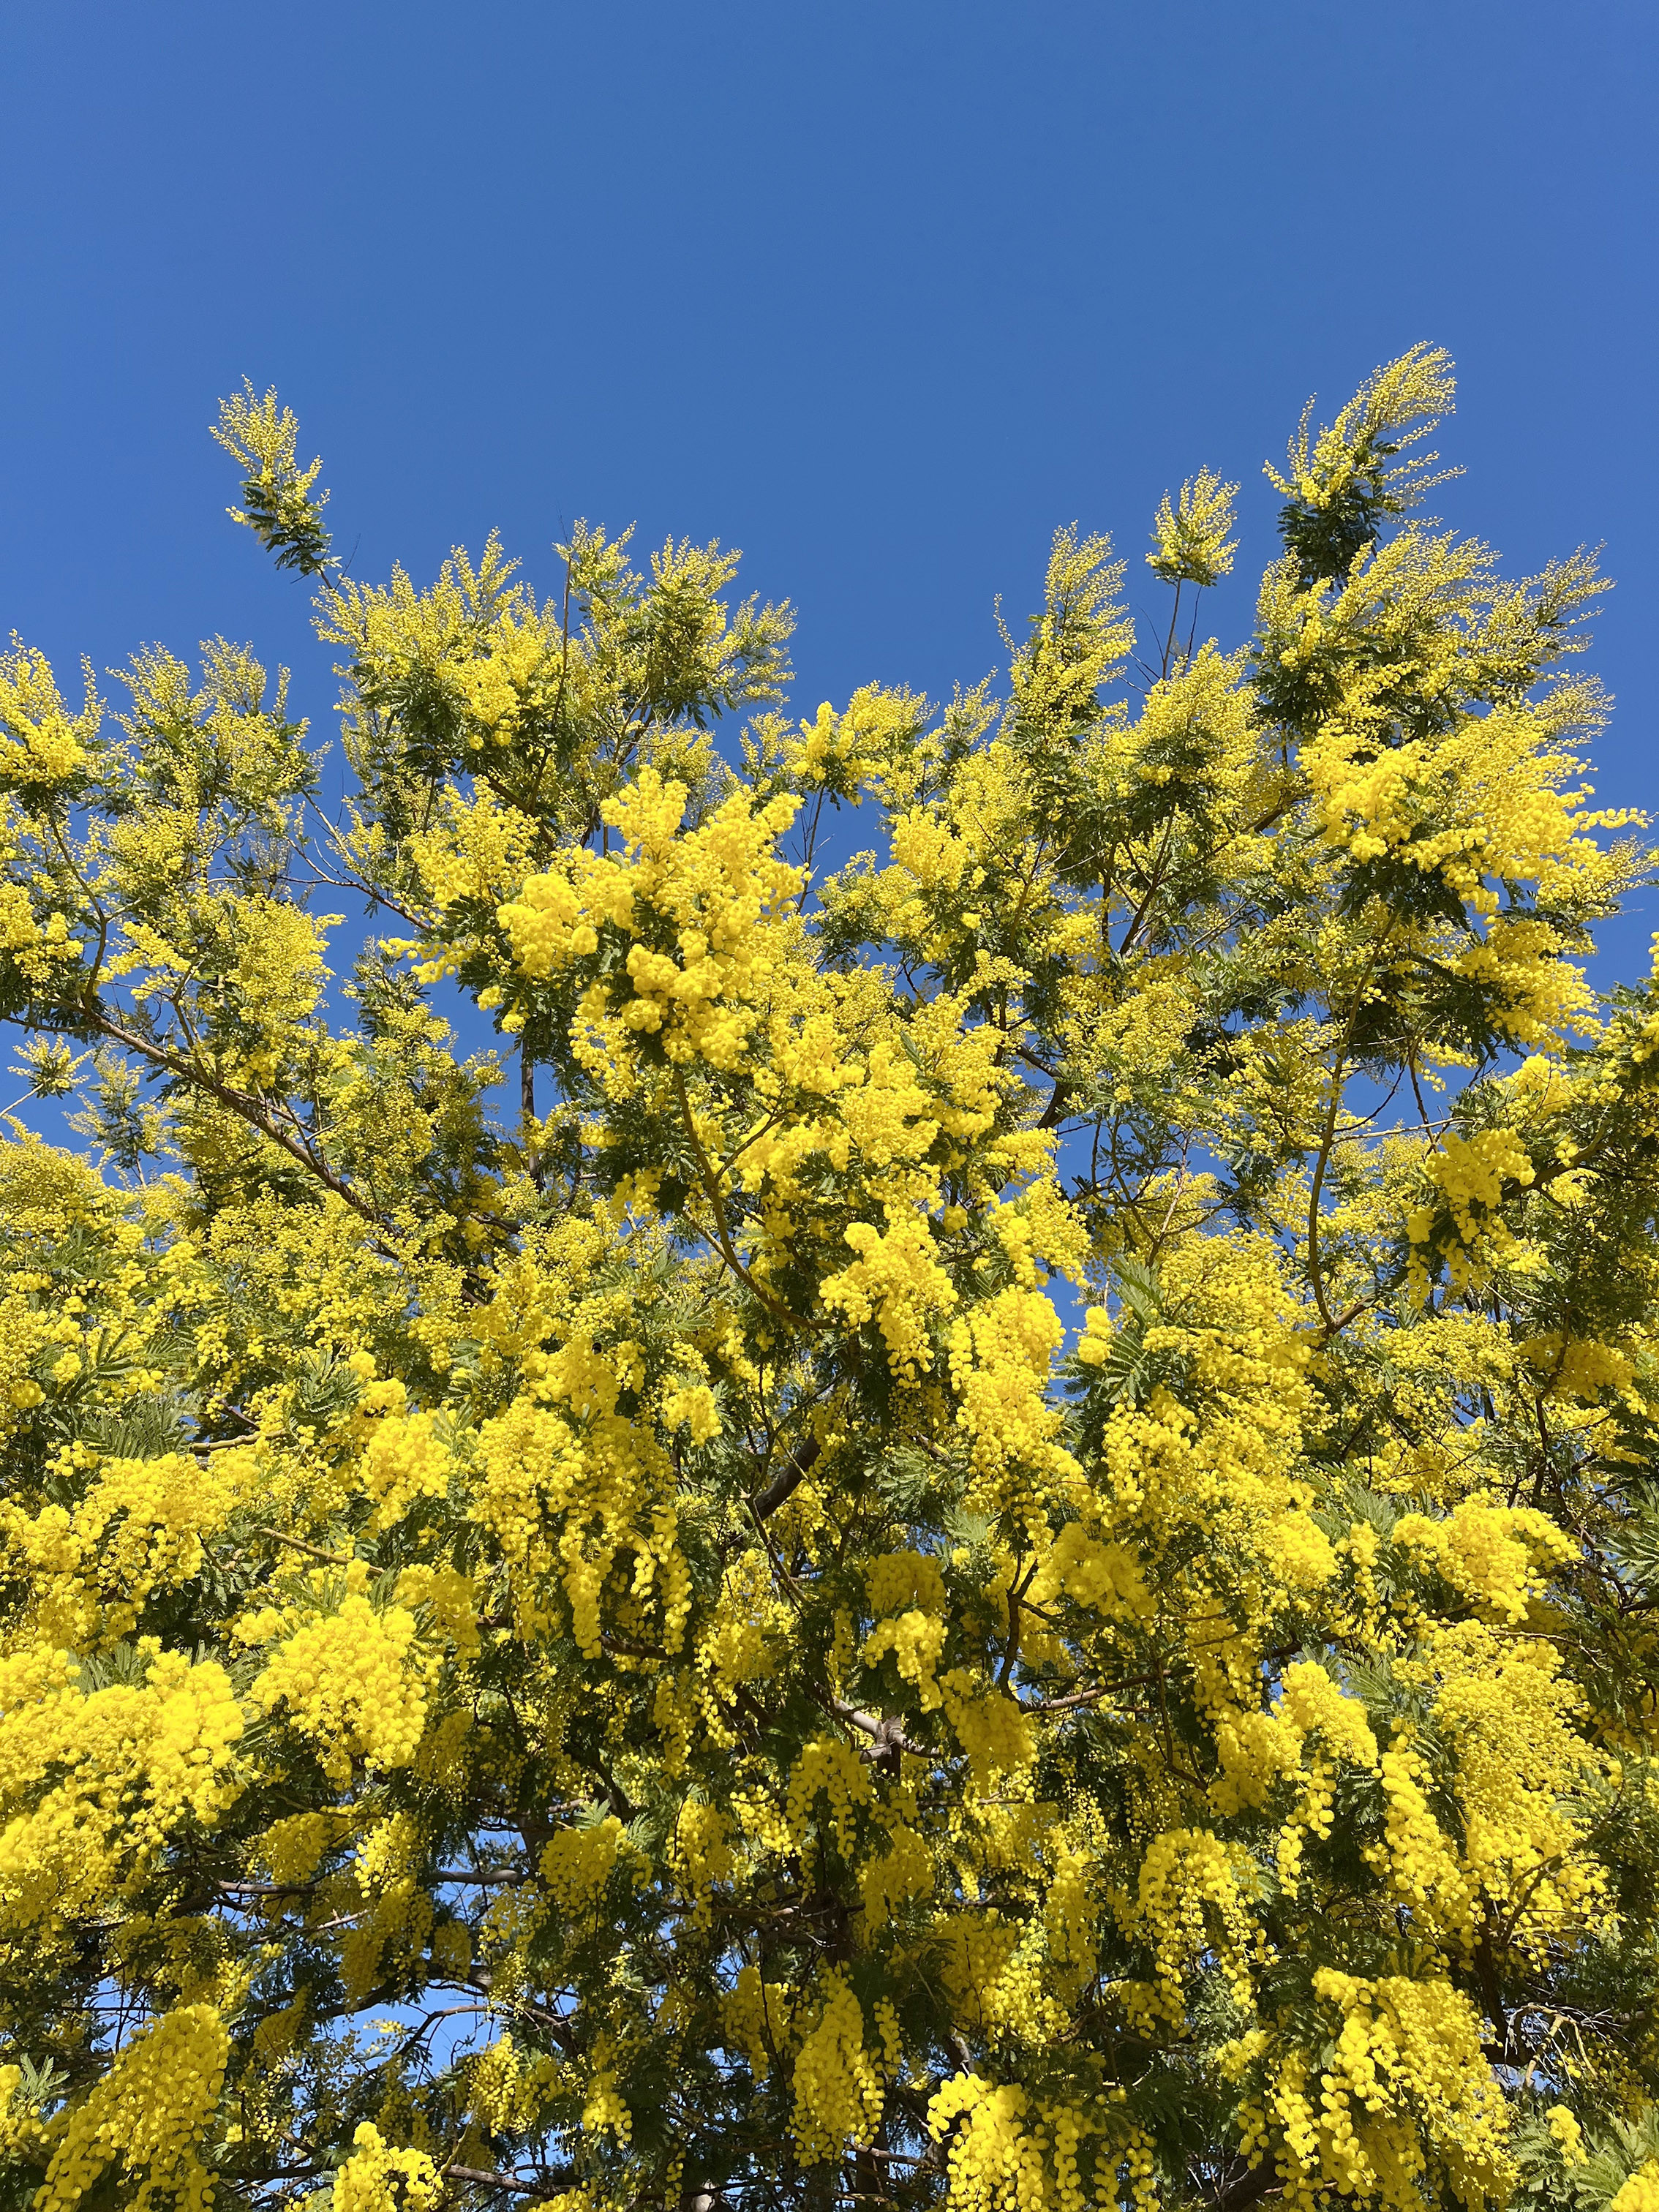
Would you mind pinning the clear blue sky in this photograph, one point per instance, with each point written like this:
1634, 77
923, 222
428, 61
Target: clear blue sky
881, 294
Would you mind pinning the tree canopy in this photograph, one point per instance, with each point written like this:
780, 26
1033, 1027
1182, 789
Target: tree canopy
687, 1528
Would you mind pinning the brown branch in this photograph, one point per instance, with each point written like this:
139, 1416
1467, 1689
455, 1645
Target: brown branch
1016, 1591
1335, 1327
787, 1481
885, 1732
722, 1230
330, 1558
1053, 1112
542, 2190
241, 1102
1251, 2186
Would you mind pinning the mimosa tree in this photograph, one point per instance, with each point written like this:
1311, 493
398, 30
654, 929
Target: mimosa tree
974, 1528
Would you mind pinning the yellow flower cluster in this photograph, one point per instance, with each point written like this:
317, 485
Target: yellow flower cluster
892, 1879
148, 2115
874, 741
1564, 2127
1190, 532
1098, 1573
1639, 2191
1643, 1033
404, 1461
1001, 1358
1472, 1173
1498, 1556
757, 2015
701, 1852
829, 1769
1528, 1782
351, 1684
693, 1408
604, 2111
509, 2084
140, 1528
378, 2179
896, 1280
41, 741
87, 1780
567, 1504
700, 909
1423, 1865
1256, 1749
1406, 2093
839, 2090
989, 1725
1008, 2152
1188, 1903
907, 1588
1574, 1367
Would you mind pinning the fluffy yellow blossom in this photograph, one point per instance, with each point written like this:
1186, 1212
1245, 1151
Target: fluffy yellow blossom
1564, 2127
147, 2116
837, 2082
378, 2179
1496, 1555
1191, 532
1639, 2192
350, 1687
